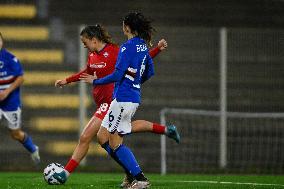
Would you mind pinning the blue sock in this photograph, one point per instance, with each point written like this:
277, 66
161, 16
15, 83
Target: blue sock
127, 159
28, 144
110, 152
107, 148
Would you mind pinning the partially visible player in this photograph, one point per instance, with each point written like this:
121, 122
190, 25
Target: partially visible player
11, 78
101, 61
133, 67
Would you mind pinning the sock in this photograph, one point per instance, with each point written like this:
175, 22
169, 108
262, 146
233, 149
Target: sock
71, 166
127, 159
28, 143
110, 152
107, 148
140, 177
159, 129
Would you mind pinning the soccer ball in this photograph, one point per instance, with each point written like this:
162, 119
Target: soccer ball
50, 170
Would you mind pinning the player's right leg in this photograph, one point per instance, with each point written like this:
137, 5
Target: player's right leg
81, 150
86, 137
89, 132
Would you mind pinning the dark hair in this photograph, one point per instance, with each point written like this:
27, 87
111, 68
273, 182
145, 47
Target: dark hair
98, 32
140, 25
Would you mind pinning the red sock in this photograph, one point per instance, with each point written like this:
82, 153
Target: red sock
71, 165
158, 129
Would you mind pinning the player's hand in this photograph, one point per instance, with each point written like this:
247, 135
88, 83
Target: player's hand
162, 44
3, 95
60, 83
88, 78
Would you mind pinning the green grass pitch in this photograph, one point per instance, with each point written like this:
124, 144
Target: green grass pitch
10, 180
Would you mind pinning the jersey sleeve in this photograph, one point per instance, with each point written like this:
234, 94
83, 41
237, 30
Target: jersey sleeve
75, 77
16, 66
123, 58
149, 70
154, 52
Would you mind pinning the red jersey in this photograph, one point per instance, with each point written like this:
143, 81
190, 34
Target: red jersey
103, 63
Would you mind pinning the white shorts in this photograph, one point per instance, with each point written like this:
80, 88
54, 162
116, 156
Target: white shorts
13, 118
118, 117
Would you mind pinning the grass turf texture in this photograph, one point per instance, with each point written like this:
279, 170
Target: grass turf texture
108, 181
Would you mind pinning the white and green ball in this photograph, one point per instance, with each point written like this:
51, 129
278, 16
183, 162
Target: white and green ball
50, 170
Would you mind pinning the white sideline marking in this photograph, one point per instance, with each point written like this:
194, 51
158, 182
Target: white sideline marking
231, 183
216, 182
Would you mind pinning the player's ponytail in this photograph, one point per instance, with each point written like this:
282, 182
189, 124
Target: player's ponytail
139, 25
97, 31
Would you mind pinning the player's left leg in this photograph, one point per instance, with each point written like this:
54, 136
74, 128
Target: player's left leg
128, 161
26, 140
103, 139
146, 126
118, 123
14, 125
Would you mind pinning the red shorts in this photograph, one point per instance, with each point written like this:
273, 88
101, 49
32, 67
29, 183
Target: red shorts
102, 110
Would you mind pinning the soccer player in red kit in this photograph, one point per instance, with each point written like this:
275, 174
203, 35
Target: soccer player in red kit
101, 62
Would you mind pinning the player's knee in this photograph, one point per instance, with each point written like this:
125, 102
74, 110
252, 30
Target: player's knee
100, 138
17, 135
85, 138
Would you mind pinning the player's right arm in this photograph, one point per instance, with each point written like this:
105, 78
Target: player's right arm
17, 73
17, 83
70, 79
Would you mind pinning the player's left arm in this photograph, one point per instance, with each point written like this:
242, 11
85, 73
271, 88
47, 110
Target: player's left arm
162, 45
149, 70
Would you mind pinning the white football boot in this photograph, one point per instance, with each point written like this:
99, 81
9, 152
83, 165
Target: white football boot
35, 156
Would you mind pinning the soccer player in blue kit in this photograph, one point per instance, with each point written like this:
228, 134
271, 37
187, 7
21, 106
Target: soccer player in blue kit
133, 67
11, 78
